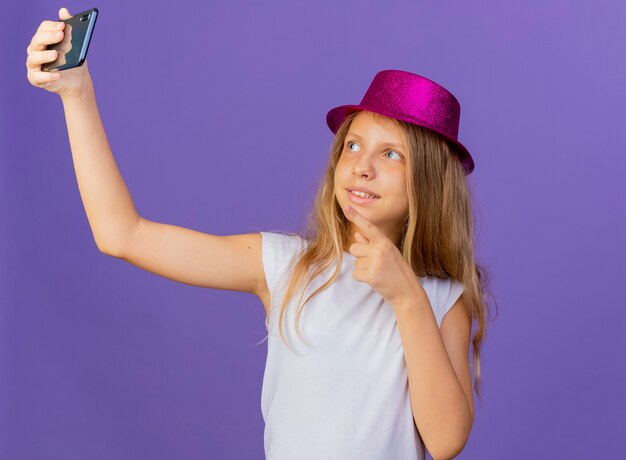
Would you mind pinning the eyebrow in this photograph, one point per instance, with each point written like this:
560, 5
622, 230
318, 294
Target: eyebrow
388, 144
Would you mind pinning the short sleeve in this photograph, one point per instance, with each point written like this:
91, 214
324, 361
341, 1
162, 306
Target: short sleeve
452, 290
280, 253
442, 294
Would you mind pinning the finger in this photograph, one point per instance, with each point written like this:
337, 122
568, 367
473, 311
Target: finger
38, 77
360, 238
37, 51
64, 13
368, 229
50, 26
49, 32
44, 38
36, 58
360, 267
359, 249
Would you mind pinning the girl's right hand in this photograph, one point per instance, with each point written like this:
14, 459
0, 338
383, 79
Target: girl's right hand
67, 83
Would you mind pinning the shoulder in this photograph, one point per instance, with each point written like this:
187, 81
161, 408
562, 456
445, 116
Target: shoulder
442, 294
283, 241
280, 250
442, 287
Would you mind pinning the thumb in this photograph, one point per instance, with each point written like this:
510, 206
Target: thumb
64, 13
360, 238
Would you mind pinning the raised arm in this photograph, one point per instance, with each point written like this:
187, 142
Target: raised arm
231, 262
110, 209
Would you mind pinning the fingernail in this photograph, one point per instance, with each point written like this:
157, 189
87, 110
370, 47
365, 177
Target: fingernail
348, 208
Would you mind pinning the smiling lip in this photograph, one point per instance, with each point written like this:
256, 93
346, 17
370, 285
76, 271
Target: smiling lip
359, 199
362, 189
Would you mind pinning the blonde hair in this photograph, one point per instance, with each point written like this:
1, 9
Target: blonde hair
437, 236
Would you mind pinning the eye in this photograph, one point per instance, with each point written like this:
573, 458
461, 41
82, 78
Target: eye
392, 151
348, 145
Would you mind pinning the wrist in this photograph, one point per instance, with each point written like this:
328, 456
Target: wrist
86, 91
409, 298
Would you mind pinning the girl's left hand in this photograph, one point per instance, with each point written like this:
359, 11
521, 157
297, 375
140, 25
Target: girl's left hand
379, 263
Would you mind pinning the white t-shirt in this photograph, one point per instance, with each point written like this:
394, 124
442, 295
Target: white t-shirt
346, 396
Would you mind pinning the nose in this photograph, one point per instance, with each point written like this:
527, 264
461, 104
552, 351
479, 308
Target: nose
363, 166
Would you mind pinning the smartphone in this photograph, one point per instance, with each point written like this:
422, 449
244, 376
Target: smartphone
72, 50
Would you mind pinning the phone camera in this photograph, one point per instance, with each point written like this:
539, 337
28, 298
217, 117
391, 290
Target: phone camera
84, 17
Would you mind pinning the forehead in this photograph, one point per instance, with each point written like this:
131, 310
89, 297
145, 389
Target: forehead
376, 126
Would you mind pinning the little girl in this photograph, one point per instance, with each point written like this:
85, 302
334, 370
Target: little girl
370, 309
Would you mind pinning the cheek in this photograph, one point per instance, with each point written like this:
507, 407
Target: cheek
397, 182
342, 172
336, 178
401, 193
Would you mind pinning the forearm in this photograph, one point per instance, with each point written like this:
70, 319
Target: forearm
110, 210
440, 407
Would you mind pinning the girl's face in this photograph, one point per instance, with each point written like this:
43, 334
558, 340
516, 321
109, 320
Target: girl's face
374, 156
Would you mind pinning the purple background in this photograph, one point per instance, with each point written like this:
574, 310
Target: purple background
216, 116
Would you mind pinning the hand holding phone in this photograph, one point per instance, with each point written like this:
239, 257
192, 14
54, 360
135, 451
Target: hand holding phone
72, 49
57, 53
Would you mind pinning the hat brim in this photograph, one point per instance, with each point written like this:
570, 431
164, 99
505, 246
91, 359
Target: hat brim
336, 116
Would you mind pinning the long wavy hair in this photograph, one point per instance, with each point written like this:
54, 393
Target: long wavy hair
437, 243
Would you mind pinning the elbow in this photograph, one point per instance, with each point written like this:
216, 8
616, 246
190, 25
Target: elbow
446, 454
114, 242
102, 248
107, 250
453, 445
111, 246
